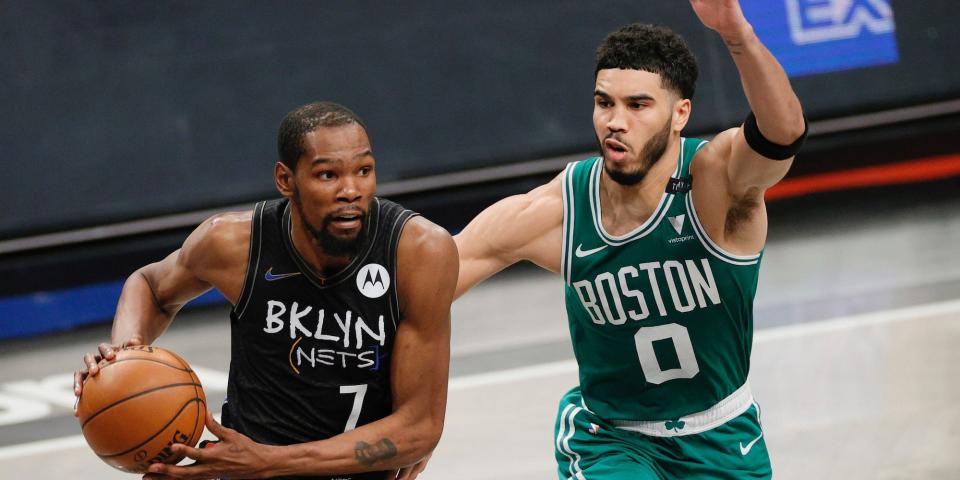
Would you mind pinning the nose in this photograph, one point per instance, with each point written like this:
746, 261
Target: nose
348, 192
617, 120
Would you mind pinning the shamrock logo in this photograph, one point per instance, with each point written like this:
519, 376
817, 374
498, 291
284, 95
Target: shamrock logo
675, 425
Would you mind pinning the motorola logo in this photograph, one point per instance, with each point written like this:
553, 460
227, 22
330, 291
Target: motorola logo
373, 280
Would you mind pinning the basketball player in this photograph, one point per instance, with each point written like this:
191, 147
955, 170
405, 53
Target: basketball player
340, 321
659, 243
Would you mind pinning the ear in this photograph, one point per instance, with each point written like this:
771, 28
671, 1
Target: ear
283, 177
681, 113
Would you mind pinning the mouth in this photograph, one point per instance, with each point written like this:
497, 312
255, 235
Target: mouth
616, 151
347, 219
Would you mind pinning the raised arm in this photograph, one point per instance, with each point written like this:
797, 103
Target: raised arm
777, 110
214, 255
427, 272
521, 227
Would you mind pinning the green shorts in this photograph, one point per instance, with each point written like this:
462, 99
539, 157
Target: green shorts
591, 448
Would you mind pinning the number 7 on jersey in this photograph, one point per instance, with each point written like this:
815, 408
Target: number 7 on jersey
359, 391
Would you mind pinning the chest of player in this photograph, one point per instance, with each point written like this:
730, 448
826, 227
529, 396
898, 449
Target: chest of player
300, 324
665, 270
665, 274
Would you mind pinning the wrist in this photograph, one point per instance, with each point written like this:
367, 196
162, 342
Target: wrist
276, 461
739, 35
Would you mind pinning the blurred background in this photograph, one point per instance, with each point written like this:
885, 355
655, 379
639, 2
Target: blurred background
124, 124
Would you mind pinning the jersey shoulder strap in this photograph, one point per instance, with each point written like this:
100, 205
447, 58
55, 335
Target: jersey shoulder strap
253, 256
576, 206
690, 147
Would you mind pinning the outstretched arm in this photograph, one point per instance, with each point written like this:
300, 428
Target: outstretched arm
521, 227
779, 115
427, 274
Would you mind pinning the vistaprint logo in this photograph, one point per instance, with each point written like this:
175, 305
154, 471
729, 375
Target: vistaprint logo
677, 224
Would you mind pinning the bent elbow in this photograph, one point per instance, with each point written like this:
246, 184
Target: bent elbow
428, 437
784, 133
431, 434
794, 131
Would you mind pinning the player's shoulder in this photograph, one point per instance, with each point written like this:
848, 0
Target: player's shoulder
221, 238
426, 256
225, 223
227, 228
420, 236
545, 200
710, 157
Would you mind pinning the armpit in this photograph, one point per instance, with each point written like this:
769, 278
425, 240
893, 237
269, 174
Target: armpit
741, 210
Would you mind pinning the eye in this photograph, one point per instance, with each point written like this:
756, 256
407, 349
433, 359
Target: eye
325, 175
364, 171
637, 105
603, 103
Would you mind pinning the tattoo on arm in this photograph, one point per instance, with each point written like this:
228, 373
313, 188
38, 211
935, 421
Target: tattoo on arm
370, 454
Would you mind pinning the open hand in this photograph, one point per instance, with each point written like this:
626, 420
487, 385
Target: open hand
234, 456
91, 362
723, 16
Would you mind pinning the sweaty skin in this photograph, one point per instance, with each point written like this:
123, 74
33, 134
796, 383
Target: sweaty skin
335, 175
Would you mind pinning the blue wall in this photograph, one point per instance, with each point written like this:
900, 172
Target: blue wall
48, 311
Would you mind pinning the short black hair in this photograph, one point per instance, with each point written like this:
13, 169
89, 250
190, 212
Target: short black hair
653, 49
306, 119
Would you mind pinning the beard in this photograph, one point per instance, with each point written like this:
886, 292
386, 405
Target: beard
331, 244
649, 156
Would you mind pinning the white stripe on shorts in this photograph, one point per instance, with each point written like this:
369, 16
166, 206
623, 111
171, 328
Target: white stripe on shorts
563, 441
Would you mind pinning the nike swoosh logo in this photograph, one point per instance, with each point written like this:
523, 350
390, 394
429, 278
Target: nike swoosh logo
270, 277
745, 450
586, 253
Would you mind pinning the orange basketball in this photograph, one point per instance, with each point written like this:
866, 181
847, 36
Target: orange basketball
139, 405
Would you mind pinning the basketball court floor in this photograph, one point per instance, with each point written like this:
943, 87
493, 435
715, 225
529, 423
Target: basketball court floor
855, 361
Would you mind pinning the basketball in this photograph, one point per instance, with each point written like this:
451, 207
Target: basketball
139, 405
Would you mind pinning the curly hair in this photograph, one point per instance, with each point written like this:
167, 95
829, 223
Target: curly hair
653, 49
306, 119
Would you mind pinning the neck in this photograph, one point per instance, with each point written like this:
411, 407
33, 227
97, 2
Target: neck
623, 207
323, 265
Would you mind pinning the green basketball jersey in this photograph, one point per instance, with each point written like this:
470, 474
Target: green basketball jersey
661, 318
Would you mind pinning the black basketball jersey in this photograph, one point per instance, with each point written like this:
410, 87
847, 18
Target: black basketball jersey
310, 356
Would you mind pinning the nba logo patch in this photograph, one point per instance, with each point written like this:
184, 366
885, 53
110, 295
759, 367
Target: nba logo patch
594, 429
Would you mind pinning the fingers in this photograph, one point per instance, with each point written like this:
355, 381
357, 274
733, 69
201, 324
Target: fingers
163, 471
411, 472
91, 362
157, 476
416, 470
107, 352
190, 452
215, 428
78, 377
